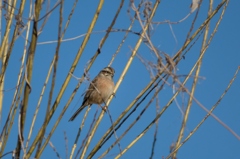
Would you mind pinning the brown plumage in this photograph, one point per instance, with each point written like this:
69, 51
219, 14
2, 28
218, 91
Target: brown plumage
99, 90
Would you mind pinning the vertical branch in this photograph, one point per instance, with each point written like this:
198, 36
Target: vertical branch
29, 68
203, 50
4, 48
11, 9
1, 22
1, 86
55, 63
4, 59
6, 54
39, 102
69, 17
19, 82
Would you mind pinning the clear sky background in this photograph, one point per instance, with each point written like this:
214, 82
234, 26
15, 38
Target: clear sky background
219, 64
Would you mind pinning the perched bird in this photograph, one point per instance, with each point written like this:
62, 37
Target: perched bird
99, 90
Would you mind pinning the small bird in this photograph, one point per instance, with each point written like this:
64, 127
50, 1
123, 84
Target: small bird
98, 91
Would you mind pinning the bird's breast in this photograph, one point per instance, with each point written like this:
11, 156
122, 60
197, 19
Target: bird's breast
106, 87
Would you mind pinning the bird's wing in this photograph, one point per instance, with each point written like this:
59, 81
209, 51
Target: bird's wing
85, 100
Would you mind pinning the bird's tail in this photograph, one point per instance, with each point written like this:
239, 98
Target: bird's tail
76, 113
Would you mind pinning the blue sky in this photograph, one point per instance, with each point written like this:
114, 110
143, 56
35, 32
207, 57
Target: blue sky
219, 64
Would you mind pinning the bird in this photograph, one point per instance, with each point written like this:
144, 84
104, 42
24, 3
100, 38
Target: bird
99, 90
